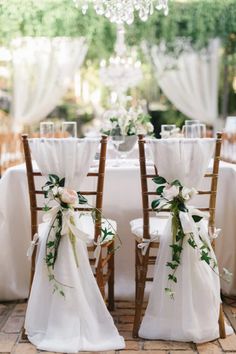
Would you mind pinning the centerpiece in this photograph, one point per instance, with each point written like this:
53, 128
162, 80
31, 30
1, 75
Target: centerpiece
123, 125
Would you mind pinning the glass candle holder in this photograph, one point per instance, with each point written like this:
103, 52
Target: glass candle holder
69, 129
46, 130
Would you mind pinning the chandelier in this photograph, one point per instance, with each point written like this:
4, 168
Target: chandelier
122, 71
122, 11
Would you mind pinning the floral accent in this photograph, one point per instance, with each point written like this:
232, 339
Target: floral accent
185, 221
62, 223
127, 122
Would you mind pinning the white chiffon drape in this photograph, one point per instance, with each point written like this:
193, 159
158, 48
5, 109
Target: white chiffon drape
193, 313
42, 71
80, 321
190, 80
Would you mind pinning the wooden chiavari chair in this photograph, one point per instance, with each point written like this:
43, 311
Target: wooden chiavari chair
142, 262
104, 272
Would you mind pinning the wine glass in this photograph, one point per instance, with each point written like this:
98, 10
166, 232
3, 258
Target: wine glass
69, 129
117, 140
46, 130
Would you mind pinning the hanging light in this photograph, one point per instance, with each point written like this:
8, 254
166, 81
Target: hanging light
122, 11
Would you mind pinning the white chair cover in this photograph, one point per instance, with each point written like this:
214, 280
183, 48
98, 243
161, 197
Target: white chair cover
80, 321
193, 313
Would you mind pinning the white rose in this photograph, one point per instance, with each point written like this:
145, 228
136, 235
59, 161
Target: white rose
170, 192
188, 193
69, 196
141, 129
150, 127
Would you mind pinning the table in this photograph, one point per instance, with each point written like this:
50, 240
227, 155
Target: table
122, 202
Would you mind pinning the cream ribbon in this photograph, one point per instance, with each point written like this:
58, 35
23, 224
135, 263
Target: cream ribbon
98, 248
33, 243
187, 222
68, 216
143, 246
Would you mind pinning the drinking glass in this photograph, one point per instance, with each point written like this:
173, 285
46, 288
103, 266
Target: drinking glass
167, 130
192, 122
47, 130
69, 129
200, 130
189, 131
117, 140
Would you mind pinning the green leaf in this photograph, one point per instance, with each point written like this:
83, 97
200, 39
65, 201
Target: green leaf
62, 182
177, 183
53, 178
205, 257
197, 218
176, 248
156, 203
82, 199
46, 208
159, 180
172, 277
172, 265
50, 244
182, 207
62, 293
159, 190
192, 242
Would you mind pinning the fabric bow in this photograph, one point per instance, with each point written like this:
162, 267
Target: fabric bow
143, 246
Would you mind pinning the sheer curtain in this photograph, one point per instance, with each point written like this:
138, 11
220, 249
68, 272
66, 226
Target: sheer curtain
190, 80
42, 70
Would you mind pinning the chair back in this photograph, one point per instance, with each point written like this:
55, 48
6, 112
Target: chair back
148, 193
36, 205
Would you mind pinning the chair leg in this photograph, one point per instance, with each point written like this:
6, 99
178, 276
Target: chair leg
222, 323
142, 275
111, 270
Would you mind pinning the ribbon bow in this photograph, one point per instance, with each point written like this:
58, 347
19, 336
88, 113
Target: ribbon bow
143, 246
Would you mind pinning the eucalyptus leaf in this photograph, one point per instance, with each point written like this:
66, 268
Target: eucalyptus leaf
159, 180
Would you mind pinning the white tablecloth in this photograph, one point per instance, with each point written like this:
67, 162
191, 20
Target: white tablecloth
122, 202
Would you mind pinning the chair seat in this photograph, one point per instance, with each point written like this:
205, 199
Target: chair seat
87, 224
156, 227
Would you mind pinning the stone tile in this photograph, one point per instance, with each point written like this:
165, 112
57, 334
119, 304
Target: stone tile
229, 343
209, 348
166, 345
13, 325
147, 352
3, 309
19, 309
132, 345
7, 342
24, 348
181, 352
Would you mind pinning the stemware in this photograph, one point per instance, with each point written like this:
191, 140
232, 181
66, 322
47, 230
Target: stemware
69, 129
167, 130
46, 130
189, 131
200, 130
117, 140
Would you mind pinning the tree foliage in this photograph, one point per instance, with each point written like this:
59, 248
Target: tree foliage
198, 20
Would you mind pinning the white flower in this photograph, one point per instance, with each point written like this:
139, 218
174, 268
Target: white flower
69, 196
170, 192
141, 129
150, 127
188, 193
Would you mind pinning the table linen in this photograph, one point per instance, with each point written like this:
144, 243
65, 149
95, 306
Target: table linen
122, 202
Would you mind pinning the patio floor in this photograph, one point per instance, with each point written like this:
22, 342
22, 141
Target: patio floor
12, 319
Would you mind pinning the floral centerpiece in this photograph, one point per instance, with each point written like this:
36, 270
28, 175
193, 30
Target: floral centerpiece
127, 122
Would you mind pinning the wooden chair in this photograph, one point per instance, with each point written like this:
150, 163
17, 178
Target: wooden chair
104, 272
142, 262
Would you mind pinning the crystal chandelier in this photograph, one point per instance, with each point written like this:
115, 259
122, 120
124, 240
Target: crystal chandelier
122, 71
122, 11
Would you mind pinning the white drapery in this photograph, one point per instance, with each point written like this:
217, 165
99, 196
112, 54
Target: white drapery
190, 81
42, 71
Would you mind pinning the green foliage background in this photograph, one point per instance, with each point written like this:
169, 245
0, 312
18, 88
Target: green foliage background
200, 20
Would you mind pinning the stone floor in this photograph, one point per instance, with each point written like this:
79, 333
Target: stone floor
12, 319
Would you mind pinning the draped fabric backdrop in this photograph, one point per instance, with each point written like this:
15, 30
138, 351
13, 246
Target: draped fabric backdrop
190, 80
42, 71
